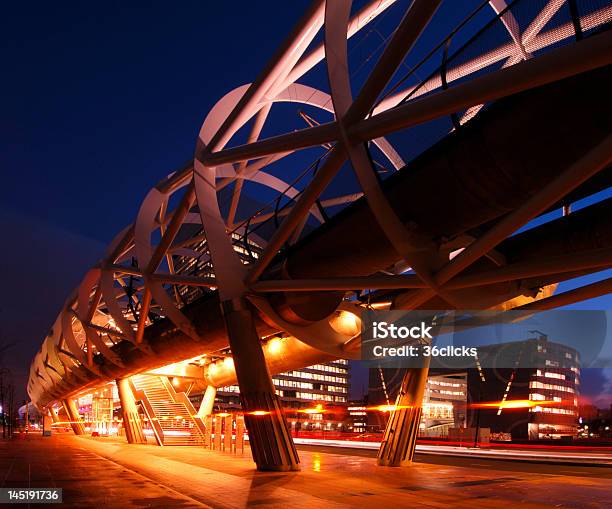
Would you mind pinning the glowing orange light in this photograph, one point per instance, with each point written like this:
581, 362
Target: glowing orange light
275, 345
345, 323
259, 412
516, 403
386, 408
380, 305
176, 382
316, 462
318, 409
224, 414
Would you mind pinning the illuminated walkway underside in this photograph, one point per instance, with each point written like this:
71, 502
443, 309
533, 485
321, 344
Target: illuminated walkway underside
189, 284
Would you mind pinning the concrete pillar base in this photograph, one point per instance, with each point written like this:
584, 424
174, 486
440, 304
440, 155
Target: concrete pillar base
269, 434
131, 418
399, 441
269, 437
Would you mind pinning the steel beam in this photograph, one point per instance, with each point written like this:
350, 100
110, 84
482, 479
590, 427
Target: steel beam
72, 411
557, 64
570, 262
404, 37
326, 173
208, 402
594, 161
591, 291
380, 282
279, 65
53, 413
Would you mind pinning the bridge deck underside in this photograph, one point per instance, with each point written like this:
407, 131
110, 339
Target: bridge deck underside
461, 186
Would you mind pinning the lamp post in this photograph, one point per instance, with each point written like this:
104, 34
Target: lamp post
477, 431
3, 371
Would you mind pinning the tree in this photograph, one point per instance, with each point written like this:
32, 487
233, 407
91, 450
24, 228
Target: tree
7, 390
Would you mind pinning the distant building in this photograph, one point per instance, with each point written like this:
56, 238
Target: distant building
451, 399
588, 412
598, 428
99, 410
555, 384
314, 398
357, 419
444, 402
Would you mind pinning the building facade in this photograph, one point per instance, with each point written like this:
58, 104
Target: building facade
444, 404
314, 398
357, 419
444, 401
545, 390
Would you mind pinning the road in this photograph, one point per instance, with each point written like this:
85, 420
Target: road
481, 463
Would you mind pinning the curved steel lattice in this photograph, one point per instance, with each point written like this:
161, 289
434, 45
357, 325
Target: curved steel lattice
200, 238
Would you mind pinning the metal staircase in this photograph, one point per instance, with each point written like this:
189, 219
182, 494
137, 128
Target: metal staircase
171, 414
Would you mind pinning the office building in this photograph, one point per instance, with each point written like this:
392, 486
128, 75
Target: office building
543, 397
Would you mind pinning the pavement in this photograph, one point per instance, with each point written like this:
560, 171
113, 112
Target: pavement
87, 479
106, 472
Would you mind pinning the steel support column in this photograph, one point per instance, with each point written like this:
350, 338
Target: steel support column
269, 436
47, 428
54, 417
208, 401
399, 440
72, 411
131, 420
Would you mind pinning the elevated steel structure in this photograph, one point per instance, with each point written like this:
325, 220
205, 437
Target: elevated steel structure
528, 131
